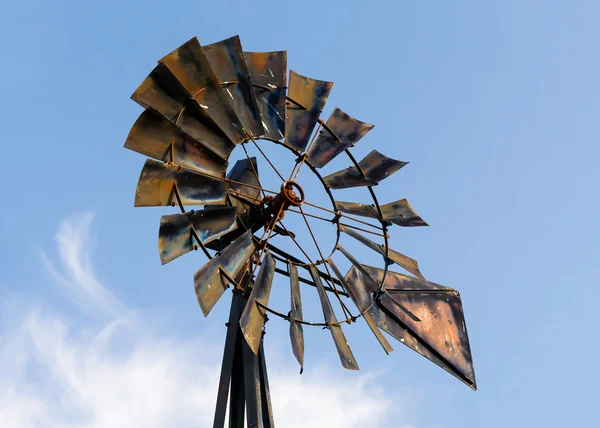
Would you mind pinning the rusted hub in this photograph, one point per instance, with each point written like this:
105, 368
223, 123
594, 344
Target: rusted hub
291, 194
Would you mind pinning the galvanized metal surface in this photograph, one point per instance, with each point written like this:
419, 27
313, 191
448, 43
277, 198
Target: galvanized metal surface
209, 282
341, 344
245, 171
253, 317
229, 64
154, 136
311, 95
296, 331
177, 233
402, 214
268, 73
200, 127
362, 308
440, 334
190, 66
161, 91
375, 166
398, 212
401, 260
345, 132
160, 183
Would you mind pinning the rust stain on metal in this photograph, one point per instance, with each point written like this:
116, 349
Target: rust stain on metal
159, 183
176, 232
375, 167
268, 72
311, 95
345, 132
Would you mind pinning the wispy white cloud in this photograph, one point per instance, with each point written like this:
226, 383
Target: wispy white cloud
62, 372
76, 273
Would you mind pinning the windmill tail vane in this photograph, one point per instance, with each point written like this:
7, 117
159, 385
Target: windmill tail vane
204, 104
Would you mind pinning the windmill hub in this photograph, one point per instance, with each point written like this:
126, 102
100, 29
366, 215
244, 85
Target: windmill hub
291, 194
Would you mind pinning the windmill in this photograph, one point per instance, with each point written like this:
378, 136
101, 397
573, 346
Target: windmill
204, 103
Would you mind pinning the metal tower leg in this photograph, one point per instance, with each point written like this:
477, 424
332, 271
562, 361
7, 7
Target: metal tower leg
244, 382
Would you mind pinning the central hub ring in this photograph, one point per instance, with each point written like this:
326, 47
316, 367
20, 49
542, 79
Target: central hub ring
293, 193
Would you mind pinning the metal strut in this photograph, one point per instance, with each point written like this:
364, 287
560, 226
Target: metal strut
244, 382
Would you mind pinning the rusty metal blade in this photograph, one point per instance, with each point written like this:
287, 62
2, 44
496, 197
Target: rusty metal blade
190, 66
244, 172
344, 351
296, 331
402, 214
401, 260
177, 233
152, 135
229, 64
345, 132
398, 212
375, 166
439, 336
268, 72
158, 181
253, 317
161, 91
308, 97
362, 308
210, 283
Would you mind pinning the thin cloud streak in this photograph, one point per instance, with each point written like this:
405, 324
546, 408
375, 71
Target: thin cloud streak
77, 275
65, 372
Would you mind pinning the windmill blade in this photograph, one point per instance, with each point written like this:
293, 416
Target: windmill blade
152, 135
401, 260
227, 60
161, 184
340, 132
307, 99
375, 166
245, 171
161, 91
194, 122
344, 351
179, 233
398, 212
402, 214
356, 208
440, 334
268, 73
211, 280
253, 318
296, 331
362, 308
190, 66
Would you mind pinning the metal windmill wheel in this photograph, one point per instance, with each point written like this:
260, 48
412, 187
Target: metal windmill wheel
202, 103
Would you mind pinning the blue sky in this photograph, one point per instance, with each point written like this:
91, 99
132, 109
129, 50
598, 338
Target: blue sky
495, 104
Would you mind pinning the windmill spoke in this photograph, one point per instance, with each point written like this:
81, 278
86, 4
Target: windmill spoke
266, 158
337, 295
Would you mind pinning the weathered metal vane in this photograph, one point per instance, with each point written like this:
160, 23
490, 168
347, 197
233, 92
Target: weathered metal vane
201, 104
